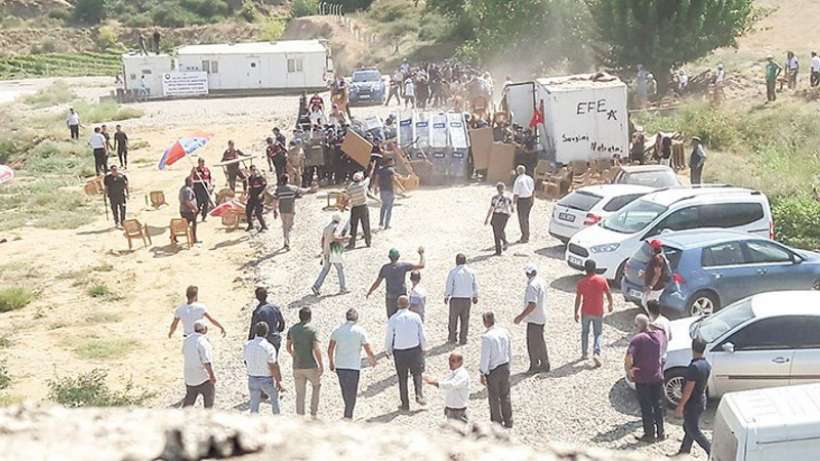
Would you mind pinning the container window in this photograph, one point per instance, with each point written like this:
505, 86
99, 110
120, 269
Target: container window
214, 67
206, 66
294, 65
146, 71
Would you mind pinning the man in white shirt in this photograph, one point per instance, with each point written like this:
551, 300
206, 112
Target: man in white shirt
409, 93
815, 69
456, 387
97, 144
263, 369
190, 312
73, 122
199, 371
659, 322
344, 352
523, 190
535, 317
460, 292
405, 340
495, 370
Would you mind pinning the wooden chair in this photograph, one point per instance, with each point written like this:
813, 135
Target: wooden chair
156, 198
230, 220
132, 229
180, 228
580, 180
224, 195
337, 201
94, 186
542, 171
578, 166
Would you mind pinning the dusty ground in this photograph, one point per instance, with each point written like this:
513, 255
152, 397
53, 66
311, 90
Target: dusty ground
52, 336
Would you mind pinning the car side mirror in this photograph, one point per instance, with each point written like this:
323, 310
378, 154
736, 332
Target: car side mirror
728, 347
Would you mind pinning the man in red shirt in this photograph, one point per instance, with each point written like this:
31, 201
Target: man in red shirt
589, 309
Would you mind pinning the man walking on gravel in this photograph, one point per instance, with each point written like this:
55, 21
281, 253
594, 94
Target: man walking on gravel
303, 345
190, 312
535, 316
456, 387
406, 342
693, 400
261, 359
589, 309
199, 371
97, 144
73, 122
121, 145
332, 249
358, 192
494, 366
284, 204
643, 367
395, 275
254, 207
523, 190
460, 293
116, 187
344, 354
270, 315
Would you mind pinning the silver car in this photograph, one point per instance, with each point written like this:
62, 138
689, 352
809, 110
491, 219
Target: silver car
766, 340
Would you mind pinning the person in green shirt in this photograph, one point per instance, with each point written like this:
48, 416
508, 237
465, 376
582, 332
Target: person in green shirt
773, 70
303, 345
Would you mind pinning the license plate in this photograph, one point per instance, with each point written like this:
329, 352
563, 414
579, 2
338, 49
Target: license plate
566, 217
635, 293
574, 260
364, 96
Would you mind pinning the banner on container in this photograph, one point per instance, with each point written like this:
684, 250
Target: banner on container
185, 84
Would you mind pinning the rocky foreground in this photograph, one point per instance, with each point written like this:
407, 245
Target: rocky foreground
56, 433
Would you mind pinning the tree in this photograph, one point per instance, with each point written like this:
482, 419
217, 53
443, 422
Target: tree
90, 11
664, 34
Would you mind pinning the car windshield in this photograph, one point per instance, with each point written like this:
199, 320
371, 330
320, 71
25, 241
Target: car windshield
366, 76
657, 179
633, 217
727, 319
580, 200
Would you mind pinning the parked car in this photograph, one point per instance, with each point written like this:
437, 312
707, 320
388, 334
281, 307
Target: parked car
768, 425
713, 268
766, 340
367, 86
589, 205
657, 176
616, 238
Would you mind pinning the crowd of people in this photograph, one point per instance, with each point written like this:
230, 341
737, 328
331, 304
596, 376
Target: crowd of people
437, 85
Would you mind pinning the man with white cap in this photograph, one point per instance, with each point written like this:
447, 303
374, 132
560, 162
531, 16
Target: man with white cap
535, 316
332, 243
358, 192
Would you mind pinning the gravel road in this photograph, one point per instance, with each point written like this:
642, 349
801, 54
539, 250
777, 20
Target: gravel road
573, 403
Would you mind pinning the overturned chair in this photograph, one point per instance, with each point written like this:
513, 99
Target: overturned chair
156, 199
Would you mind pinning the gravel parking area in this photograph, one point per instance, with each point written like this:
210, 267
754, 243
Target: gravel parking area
573, 403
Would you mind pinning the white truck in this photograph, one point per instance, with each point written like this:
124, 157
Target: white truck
774, 424
584, 116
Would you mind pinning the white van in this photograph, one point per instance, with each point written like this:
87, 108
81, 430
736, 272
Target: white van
775, 424
589, 205
616, 238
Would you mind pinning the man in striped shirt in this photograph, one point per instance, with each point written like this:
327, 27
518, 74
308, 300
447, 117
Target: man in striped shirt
358, 192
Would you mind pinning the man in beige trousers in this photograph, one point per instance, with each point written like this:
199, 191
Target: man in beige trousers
303, 345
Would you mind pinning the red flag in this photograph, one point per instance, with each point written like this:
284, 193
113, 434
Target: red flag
538, 116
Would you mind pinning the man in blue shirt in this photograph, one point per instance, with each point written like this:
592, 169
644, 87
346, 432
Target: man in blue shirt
693, 399
395, 274
269, 314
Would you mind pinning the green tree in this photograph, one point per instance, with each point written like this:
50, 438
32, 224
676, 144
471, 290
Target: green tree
663, 34
90, 11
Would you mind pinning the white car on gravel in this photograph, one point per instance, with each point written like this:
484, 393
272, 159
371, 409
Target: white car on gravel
615, 239
589, 205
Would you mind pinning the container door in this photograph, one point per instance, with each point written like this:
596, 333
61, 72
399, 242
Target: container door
296, 71
253, 73
520, 100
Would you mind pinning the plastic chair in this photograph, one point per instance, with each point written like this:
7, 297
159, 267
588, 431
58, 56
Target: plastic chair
132, 229
180, 228
230, 220
157, 198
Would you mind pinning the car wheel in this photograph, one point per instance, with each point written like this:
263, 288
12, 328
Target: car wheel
817, 284
619, 274
703, 303
673, 382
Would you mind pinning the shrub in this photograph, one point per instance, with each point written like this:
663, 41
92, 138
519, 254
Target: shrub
15, 298
57, 93
98, 291
105, 349
271, 30
108, 38
797, 220
248, 11
91, 390
301, 8
5, 377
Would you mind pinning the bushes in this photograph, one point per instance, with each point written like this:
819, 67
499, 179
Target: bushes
15, 298
89, 11
797, 221
5, 377
91, 390
58, 93
301, 8
271, 29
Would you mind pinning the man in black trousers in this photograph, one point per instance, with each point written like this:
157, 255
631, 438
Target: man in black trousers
256, 187
494, 366
269, 314
405, 340
116, 187
693, 400
523, 191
